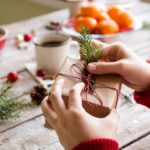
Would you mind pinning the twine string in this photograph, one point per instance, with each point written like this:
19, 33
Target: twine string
89, 81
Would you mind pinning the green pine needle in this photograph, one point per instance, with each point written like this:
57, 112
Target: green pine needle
9, 103
88, 52
146, 25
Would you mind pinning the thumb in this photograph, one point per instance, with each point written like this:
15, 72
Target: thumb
104, 67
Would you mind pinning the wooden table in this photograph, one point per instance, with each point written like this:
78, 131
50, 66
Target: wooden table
27, 131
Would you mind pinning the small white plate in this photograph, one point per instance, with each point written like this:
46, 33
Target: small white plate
70, 30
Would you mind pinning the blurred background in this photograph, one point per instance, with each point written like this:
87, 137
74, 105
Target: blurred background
17, 10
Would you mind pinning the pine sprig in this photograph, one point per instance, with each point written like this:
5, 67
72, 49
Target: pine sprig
146, 26
88, 52
9, 102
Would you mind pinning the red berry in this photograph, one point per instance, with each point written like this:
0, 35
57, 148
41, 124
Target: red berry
126, 29
72, 20
148, 61
41, 73
13, 76
27, 37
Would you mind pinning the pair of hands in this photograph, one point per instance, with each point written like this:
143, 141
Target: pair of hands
74, 125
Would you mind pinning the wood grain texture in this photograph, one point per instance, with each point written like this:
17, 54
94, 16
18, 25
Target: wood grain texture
134, 122
142, 144
30, 135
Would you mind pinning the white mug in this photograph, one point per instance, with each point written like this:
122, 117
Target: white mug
74, 6
52, 49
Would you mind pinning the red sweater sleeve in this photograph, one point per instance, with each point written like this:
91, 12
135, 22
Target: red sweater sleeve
143, 98
97, 144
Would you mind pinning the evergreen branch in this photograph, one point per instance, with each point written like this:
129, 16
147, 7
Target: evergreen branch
146, 26
9, 103
88, 52
5, 88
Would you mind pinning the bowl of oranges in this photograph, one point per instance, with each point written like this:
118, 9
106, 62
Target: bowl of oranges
102, 21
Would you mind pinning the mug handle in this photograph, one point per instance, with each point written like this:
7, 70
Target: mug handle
74, 50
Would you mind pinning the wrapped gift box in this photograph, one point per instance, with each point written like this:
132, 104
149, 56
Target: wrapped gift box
105, 94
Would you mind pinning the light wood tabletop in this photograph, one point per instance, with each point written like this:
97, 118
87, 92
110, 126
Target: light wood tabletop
27, 132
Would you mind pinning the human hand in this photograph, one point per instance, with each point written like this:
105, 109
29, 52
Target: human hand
121, 60
74, 125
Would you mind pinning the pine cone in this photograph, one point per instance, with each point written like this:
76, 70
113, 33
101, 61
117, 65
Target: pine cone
38, 93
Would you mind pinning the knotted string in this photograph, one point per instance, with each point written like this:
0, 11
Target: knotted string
89, 81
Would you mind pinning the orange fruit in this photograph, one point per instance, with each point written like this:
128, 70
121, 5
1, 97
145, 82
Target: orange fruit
78, 15
92, 9
107, 27
125, 19
103, 16
87, 22
113, 11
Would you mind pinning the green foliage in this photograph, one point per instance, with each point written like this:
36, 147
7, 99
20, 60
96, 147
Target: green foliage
146, 26
9, 103
88, 52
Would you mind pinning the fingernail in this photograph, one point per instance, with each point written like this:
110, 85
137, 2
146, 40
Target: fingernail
92, 67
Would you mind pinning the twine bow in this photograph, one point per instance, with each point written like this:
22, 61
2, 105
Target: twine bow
89, 81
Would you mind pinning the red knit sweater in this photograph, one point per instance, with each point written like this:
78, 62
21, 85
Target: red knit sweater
109, 144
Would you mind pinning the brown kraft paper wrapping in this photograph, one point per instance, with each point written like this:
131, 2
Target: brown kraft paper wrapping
90, 103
